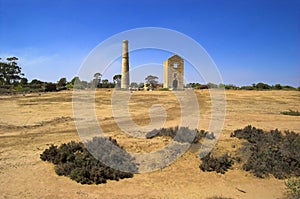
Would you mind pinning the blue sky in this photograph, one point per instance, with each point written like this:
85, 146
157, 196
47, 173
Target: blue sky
250, 41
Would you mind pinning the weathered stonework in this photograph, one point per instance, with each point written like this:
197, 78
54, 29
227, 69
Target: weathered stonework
173, 73
125, 66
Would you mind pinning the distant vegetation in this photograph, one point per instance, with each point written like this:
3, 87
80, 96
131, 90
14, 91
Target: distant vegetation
12, 80
259, 86
291, 112
74, 160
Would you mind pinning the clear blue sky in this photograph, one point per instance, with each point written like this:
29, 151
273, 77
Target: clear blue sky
250, 41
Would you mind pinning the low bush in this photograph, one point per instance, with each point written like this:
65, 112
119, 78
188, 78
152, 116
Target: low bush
293, 187
219, 164
75, 161
218, 197
271, 152
182, 134
291, 112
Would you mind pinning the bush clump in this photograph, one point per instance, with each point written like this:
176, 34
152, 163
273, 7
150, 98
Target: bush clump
218, 197
291, 112
219, 164
270, 152
293, 187
75, 161
182, 134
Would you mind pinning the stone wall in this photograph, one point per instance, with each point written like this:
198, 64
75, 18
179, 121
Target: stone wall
174, 73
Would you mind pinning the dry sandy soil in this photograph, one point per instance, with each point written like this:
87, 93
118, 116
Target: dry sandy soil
30, 123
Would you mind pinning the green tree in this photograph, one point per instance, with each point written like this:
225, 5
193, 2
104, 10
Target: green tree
23, 81
105, 81
262, 86
62, 83
97, 80
287, 87
152, 80
36, 82
50, 87
84, 84
117, 80
278, 86
141, 85
134, 85
76, 83
212, 85
75, 79
10, 72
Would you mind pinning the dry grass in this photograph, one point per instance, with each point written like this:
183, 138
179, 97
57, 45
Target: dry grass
29, 124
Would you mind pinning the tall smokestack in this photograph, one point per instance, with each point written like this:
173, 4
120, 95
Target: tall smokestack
125, 66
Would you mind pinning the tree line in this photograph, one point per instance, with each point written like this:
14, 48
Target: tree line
13, 80
258, 86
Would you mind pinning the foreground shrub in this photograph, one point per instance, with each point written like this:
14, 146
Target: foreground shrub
291, 112
220, 164
74, 160
293, 186
182, 134
270, 152
218, 197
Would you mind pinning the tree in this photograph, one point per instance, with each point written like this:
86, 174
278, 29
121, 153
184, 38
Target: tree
97, 80
105, 81
62, 83
141, 85
76, 83
49, 87
75, 80
262, 86
212, 85
152, 80
277, 86
23, 81
36, 81
117, 80
10, 72
84, 84
134, 85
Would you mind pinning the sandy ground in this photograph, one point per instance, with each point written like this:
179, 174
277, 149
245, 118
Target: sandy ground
30, 123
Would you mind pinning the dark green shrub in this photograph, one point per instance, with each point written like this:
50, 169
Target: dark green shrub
75, 161
293, 186
220, 164
270, 152
291, 112
49, 87
182, 134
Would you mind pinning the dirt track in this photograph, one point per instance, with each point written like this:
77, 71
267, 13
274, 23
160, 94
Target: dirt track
29, 124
